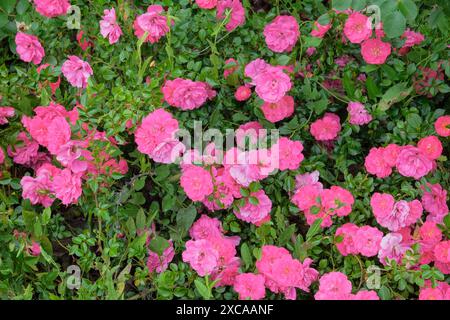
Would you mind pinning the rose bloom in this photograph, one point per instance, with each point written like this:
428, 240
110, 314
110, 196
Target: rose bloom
412, 38
109, 28
187, 94
196, 182
412, 162
375, 163
334, 286
392, 248
375, 51
358, 114
237, 16
326, 128
206, 4
320, 30
29, 48
160, 263
5, 113
243, 93
282, 34
151, 22
367, 241
255, 213
67, 186
442, 126
202, 256
272, 84
431, 147
231, 65
280, 110
434, 200
77, 71
357, 28
290, 153
250, 286
52, 8
348, 233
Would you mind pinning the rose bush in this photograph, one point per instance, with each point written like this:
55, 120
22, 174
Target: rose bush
350, 201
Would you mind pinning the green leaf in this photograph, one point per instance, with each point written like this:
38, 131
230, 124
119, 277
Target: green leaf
22, 6
372, 89
131, 227
393, 95
342, 4
394, 24
3, 19
414, 121
286, 235
358, 5
253, 200
141, 220
314, 229
46, 215
408, 8
447, 221
158, 245
185, 218
244, 192
8, 5
202, 289
246, 255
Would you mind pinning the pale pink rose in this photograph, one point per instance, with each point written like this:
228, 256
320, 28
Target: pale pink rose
109, 28
5, 113
320, 30
254, 68
375, 51
168, 151
392, 248
358, 114
29, 48
412, 162
282, 34
280, 110
69, 155
431, 147
308, 179
25, 152
67, 187
357, 28
326, 128
52, 8
272, 84
151, 22
206, 4
237, 16
77, 71
253, 131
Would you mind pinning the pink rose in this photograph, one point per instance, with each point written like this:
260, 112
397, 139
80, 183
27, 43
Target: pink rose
29, 48
375, 51
282, 34
77, 71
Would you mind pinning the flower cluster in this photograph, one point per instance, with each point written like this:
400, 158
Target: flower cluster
363, 240
187, 94
336, 286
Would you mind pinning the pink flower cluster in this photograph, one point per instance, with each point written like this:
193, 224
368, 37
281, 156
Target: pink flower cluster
316, 202
187, 94
442, 126
434, 200
250, 286
410, 161
283, 273
50, 128
282, 34
280, 110
363, 240
212, 253
153, 23
155, 136
326, 128
336, 286
395, 215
